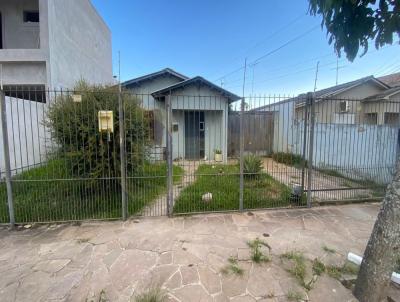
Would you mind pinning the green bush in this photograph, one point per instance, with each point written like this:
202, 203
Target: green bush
289, 159
88, 152
252, 164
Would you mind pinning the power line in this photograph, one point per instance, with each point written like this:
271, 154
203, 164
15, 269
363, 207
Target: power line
257, 44
271, 52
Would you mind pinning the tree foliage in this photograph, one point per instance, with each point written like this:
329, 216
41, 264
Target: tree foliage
90, 153
352, 24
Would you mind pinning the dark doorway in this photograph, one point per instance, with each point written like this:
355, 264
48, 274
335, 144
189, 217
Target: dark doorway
194, 134
1, 31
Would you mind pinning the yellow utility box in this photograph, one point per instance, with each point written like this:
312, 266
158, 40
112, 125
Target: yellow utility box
106, 121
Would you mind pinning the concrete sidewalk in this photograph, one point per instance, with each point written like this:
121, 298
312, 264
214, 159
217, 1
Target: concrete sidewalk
114, 261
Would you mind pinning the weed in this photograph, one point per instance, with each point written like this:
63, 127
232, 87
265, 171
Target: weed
256, 253
289, 159
232, 267
328, 249
318, 267
347, 269
299, 268
294, 296
151, 295
82, 240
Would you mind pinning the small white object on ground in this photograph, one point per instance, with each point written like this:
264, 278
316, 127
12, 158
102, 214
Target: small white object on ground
27, 226
357, 260
207, 197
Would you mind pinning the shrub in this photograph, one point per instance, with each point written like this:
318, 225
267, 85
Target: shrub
88, 152
289, 159
252, 164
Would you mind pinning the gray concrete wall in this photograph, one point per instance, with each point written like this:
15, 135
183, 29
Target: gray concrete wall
16, 33
79, 44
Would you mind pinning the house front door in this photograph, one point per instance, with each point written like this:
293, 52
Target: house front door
194, 134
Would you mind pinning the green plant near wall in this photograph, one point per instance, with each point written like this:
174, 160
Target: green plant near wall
88, 152
252, 165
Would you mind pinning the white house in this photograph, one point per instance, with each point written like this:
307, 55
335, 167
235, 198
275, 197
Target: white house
46, 45
199, 112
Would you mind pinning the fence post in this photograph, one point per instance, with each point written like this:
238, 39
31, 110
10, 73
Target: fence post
6, 152
241, 151
311, 102
303, 168
122, 153
169, 155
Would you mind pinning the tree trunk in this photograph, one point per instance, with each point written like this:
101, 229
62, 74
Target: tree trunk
383, 247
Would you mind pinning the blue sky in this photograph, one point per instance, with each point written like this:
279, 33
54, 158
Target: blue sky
212, 38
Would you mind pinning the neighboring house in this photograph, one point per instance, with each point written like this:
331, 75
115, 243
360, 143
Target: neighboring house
393, 80
199, 112
52, 44
46, 45
342, 104
367, 100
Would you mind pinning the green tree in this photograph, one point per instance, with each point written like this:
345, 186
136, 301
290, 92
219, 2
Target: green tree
351, 25
89, 153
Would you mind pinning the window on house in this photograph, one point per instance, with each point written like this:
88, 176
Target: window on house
31, 17
34, 93
392, 118
343, 106
371, 118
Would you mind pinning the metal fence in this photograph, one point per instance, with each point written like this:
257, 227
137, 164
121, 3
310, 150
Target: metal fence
105, 154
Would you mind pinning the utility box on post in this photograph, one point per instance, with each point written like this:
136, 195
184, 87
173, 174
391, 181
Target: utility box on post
106, 121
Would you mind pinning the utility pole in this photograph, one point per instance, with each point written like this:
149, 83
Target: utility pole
337, 70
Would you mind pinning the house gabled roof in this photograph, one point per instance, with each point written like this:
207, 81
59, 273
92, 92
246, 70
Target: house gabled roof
335, 90
384, 95
162, 92
163, 72
393, 80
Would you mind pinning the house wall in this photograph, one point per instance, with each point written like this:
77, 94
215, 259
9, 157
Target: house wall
79, 44
382, 106
325, 111
215, 106
359, 152
16, 33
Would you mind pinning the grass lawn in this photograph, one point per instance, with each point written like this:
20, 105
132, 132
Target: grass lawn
260, 191
50, 193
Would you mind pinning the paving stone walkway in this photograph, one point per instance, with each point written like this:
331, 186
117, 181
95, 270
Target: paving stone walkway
114, 261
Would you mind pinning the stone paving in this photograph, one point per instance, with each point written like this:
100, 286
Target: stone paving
114, 261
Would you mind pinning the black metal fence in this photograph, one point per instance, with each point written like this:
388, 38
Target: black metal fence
105, 154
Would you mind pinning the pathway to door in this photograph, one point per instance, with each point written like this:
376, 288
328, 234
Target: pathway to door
159, 206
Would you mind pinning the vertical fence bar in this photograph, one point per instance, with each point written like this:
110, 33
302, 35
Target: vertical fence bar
169, 155
241, 151
304, 151
122, 152
6, 152
311, 102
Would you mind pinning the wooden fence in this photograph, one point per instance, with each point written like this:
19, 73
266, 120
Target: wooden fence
258, 131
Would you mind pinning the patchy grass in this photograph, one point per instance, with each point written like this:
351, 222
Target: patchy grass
328, 249
256, 253
298, 269
378, 190
233, 267
51, 193
152, 295
318, 267
294, 296
260, 191
289, 159
338, 271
